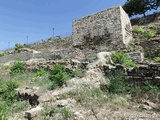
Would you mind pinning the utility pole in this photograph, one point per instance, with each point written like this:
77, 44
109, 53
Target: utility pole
53, 33
27, 40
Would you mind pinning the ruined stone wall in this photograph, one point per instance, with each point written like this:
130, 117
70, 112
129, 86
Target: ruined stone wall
59, 44
145, 73
141, 74
49, 55
151, 47
103, 31
16, 56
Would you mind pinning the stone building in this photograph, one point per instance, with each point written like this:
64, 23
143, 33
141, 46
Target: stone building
103, 31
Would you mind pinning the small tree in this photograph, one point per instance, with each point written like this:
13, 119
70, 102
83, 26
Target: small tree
58, 75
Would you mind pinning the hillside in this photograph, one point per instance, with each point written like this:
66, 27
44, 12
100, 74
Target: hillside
56, 80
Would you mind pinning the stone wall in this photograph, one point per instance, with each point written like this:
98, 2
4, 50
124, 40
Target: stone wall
49, 55
141, 74
145, 73
104, 31
151, 47
59, 44
16, 56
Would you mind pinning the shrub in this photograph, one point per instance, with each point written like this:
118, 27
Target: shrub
138, 30
121, 58
18, 47
2, 54
40, 72
116, 84
157, 59
147, 86
58, 75
8, 96
8, 92
49, 38
150, 33
18, 67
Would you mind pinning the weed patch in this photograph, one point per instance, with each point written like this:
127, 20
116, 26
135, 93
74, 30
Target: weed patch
17, 68
120, 57
138, 30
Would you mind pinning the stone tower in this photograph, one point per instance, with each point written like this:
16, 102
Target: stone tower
107, 30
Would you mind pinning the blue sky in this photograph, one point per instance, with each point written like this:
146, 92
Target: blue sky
37, 18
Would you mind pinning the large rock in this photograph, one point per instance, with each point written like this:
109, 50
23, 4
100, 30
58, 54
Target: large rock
33, 112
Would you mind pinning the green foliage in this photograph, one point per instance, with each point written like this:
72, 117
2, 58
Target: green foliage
58, 37
18, 67
116, 84
150, 33
50, 38
134, 7
20, 105
58, 75
129, 63
120, 57
66, 113
8, 92
138, 30
40, 72
3, 111
8, 96
157, 59
18, 47
2, 54
147, 86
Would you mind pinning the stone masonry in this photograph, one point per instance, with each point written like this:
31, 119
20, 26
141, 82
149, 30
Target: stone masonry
103, 31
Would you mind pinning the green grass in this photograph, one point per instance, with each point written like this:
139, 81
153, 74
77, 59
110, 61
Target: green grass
19, 106
138, 30
55, 113
150, 33
40, 72
157, 59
